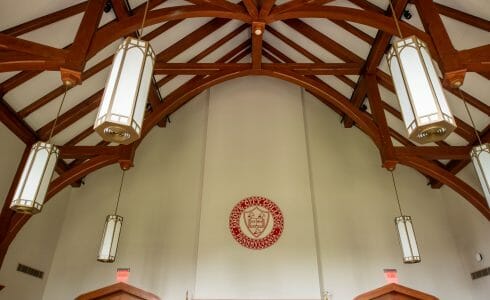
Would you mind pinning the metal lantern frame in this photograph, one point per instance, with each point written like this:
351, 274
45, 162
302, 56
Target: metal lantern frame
408, 241
480, 155
126, 128
422, 127
35, 179
110, 238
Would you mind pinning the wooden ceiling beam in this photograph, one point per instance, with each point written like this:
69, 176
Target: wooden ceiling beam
476, 59
388, 156
435, 152
112, 31
80, 137
455, 183
11, 43
271, 57
71, 116
463, 17
293, 4
454, 166
367, 6
300, 68
451, 67
354, 31
265, 8
71, 71
191, 39
16, 125
57, 92
381, 42
46, 20
251, 8
325, 42
257, 34
85, 152
220, 4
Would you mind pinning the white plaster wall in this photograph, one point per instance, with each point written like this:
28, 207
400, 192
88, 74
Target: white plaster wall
471, 231
35, 243
159, 206
256, 147
356, 207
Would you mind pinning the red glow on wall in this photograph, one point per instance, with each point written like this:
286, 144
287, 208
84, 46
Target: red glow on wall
391, 275
122, 275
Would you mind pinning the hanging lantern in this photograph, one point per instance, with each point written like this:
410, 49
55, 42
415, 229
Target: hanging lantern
36, 176
110, 237
480, 156
408, 242
424, 107
121, 112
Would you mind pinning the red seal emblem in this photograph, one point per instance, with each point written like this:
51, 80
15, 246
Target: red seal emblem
256, 222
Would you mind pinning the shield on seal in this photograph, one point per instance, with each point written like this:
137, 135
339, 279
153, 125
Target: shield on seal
256, 220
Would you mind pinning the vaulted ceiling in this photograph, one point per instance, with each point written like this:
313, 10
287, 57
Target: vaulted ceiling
333, 49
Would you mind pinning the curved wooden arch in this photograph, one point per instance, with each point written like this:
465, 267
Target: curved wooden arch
117, 29
192, 88
184, 93
451, 180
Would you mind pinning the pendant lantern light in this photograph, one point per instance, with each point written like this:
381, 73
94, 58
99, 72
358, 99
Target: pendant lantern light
480, 156
33, 184
122, 109
424, 107
406, 233
110, 235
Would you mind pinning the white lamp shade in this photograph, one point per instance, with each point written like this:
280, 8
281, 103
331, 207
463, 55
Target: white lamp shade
424, 107
121, 112
34, 182
110, 238
480, 156
408, 242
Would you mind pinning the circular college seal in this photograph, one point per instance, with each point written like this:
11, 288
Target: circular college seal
256, 222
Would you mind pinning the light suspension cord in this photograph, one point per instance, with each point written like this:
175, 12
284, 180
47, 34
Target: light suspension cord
57, 115
469, 115
144, 17
119, 194
396, 20
396, 193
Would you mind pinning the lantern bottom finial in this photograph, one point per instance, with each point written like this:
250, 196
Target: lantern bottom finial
115, 133
432, 133
23, 207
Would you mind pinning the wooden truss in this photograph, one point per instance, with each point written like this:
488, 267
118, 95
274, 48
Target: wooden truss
32, 58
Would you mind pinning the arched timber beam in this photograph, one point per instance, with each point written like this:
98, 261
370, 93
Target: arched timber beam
451, 180
365, 17
117, 29
192, 88
55, 187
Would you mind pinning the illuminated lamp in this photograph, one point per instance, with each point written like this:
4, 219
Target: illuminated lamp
424, 107
121, 112
406, 233
480, 156
34, 182
37, 173
111, 233
122, 109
